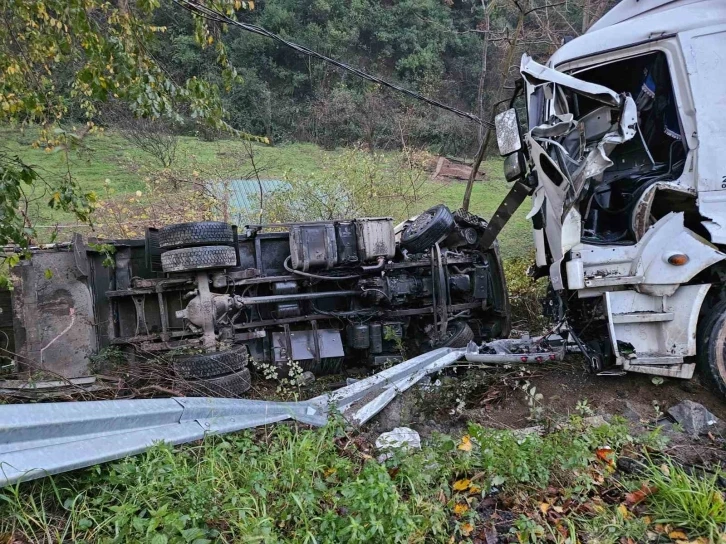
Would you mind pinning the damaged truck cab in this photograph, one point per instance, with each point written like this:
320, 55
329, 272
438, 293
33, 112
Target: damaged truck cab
623, 155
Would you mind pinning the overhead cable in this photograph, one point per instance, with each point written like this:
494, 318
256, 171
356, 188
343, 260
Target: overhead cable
219, 17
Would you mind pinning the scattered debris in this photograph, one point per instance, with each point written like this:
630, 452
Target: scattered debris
400, 437
694, 417
453, 169
306, 378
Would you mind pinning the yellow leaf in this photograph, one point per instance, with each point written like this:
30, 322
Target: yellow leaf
543, 507
330, 471
251, 4
677, 535
465, 443
473, 488
461, 485
558, 509
466, 528
210, 40
460, 508
623, 511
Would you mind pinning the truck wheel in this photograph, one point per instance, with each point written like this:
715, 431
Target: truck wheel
458, 335
201, 233
427, 229
231, 385
198, 258
206, 365
711, 348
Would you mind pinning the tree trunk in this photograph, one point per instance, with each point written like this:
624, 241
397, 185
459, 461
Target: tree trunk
488, 131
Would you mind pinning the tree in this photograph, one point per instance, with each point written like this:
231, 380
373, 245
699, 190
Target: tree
61, 59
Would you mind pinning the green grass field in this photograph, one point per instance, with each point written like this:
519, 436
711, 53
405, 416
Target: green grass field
108, 156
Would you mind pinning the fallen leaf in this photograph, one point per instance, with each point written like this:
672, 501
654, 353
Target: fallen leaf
665, 470
473, 489
623, 511
466, 528
460, 508
465, 443
678, 535
461, 485
605, 454
558, 509
330, 471
640, 495
543, 507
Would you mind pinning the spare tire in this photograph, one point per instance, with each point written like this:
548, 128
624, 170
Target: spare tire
198, 258
201, 233
206, 365
428, 228
230, 385
458, 335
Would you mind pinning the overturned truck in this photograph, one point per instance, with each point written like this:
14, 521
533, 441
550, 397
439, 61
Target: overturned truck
207, 296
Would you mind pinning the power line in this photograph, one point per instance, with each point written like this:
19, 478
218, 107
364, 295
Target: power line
216, 16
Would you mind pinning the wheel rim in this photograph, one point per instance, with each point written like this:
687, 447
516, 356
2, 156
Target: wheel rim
420, 223
720, 355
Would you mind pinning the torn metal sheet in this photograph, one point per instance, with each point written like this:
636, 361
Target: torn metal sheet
537, 74
515, 351
38, 440
567, 152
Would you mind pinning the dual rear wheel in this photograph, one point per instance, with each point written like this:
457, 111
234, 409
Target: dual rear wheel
205, 245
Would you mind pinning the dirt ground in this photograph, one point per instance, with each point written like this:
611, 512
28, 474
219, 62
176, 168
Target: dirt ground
505, 405
564, 385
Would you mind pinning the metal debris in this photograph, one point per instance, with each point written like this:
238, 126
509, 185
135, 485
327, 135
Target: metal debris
37, 440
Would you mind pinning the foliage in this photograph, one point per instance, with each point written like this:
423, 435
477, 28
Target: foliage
290, 486
287, 484
692, 501
60, 59
354, 184
559, 458
526, 295
447, 50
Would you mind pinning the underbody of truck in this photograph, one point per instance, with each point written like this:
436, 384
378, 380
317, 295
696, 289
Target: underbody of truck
208, 296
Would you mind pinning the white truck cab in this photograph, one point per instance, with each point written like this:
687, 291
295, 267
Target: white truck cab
624, 154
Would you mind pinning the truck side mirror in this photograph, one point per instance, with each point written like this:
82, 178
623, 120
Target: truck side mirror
507, 127
513, 170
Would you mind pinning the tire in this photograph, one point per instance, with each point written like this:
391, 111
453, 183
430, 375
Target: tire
459, 334
207, 365
198, 258
427, 229
202, 233
231, 385
711, 348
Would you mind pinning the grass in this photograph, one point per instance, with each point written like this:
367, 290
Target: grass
108, 156
687, 500
289, 484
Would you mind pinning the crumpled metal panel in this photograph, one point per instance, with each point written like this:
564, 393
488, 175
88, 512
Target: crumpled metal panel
37, 440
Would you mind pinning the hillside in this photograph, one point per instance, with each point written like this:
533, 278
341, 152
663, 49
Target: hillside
123, 176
